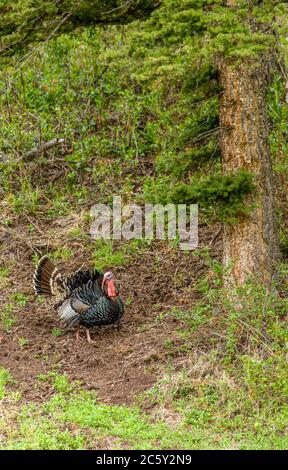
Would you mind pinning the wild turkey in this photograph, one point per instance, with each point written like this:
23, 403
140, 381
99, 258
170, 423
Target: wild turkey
87, 298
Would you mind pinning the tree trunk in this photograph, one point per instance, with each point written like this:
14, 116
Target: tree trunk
251, 245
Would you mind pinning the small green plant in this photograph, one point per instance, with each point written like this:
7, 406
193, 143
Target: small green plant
75, 233
8, 318
28, 200
4, 277
64, 254
23, 342
57, 204
4, 272
61, 384
128, 301
107, 254
5, 378
56, 332
20, 299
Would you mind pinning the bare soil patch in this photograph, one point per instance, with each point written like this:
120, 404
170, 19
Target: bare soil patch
120, 364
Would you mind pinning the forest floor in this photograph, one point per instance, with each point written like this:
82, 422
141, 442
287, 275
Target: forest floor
119, 364
165, 380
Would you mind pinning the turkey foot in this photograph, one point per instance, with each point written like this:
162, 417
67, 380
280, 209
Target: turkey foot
88, 337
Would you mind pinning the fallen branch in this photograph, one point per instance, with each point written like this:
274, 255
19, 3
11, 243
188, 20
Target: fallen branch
45, 146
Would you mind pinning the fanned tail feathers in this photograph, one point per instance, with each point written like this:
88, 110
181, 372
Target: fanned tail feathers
45, 277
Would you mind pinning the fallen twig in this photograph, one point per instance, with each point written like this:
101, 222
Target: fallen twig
45, 146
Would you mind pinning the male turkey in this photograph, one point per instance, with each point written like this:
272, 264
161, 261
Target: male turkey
87, 298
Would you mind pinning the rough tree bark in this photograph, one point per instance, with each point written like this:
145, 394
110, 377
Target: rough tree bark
251, 245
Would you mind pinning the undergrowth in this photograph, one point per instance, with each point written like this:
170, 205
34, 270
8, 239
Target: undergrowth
74, 419
228, 391
117, 125
234, 380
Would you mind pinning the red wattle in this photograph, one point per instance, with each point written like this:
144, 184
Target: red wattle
111, 289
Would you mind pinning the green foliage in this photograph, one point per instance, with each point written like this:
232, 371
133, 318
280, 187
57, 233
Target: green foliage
7, 317
205, 33
179, 164
26, 201
217, 191
27, 21
5, 378
106, 254
56, 332
249, 315
74, 419
20, 299
235, 382
64, 254
277, 108
109, 127
226, 402
23, 342
265, 379
210, 27
61, 384
4, 272
231, 391
220, 195
4, 277
122, 100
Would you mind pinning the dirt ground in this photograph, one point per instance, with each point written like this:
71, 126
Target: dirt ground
120, 364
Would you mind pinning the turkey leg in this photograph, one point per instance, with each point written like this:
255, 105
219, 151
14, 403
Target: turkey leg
88, 336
